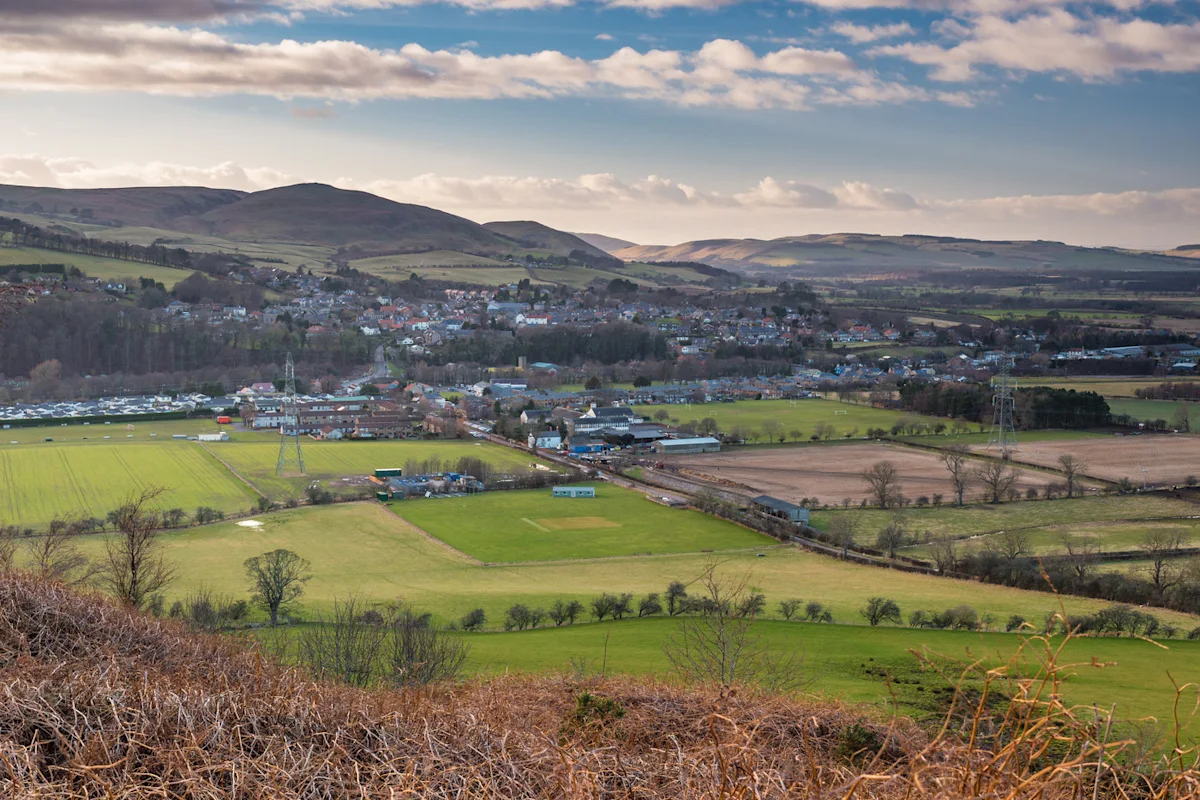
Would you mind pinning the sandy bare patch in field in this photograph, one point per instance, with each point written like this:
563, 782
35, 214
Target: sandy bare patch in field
833, 473
1168, 459
577, 523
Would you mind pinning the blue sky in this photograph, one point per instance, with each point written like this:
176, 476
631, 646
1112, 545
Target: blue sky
654, 120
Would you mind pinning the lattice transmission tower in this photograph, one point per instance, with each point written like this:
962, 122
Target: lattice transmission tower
1004, 433
290, 453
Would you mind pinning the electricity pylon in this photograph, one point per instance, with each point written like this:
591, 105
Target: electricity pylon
1004, 434
290, 453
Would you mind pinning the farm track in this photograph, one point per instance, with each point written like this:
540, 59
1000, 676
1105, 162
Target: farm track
231, 470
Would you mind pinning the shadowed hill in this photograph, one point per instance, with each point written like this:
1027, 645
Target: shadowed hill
318, 214
540, 237
150, 207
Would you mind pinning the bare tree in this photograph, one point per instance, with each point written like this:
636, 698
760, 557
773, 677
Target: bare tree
1010, 545
997, 477
1072, 469
843, 530
54, 555
10, 543
718, 644
883, 484
1161, 546
1183, 418
944, 551
790, 608
135, 564
1083, 553
277, 580
345, 646
419, 654
955, 458
892, 536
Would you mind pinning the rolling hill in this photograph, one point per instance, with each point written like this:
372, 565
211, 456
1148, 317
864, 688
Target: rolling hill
852, 252
608, 244
150, 207
538, 236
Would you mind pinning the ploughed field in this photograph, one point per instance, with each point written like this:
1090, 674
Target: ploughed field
1156, 459
834, 473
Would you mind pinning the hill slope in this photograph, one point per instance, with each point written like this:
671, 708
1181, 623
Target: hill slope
537, 236
318, 214
842, 252
608, 244
150, 207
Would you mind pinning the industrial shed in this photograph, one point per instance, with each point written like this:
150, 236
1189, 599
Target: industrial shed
780, 509
704, 444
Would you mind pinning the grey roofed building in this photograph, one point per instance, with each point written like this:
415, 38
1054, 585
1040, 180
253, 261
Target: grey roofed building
780, 508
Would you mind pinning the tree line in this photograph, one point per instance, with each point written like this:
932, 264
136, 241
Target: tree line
1034, 408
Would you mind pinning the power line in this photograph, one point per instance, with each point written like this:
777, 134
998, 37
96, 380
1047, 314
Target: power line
290, 453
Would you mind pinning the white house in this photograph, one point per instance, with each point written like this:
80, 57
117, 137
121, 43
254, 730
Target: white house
545, 440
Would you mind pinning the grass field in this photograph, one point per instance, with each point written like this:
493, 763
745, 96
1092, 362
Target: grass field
388, 265
538, 527
1110, 536
975, 520
255, 460
839, 656
364, 548
149, 431
1109, 387
109, 269
46, 480
1149, 410
749, 415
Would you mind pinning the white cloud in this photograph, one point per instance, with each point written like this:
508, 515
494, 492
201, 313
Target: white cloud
604, 37
860, 34
1095, 47
77, 173
169, 60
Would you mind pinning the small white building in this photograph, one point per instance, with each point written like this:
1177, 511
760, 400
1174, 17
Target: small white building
545, 440
703, 444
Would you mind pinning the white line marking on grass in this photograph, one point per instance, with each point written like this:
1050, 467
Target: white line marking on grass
534, 524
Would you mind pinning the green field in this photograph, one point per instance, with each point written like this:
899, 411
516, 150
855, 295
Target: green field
109, 269
364, 548
1110, 536
839, 656
534, 526
1109, 387
255, 460
803, 415
149, 431
46, 480
1150, 410
974, 520
387, 265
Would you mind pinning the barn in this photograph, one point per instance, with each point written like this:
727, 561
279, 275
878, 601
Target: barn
780, 509
574, 491
703, 444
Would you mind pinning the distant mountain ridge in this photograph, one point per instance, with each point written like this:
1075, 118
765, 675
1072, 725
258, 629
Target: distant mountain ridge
838, 253
608, 244
538, 236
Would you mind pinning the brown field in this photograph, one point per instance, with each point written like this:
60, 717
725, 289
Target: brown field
1166, 459
832, 473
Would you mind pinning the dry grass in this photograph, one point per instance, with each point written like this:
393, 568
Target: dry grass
100, 703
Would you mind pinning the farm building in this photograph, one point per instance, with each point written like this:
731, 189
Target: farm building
703, 444
781, 509
214, 437
574, 491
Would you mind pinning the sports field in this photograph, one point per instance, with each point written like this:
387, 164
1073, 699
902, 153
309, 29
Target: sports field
507, 527
45, 480
799, 415
364, 548
255, 460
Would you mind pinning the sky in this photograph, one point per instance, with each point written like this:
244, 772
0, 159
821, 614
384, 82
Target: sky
656, 121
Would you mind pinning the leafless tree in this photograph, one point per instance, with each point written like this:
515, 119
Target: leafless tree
1161, 546
10, 543
1083, 553
880, 609
418, 654
1072, 469
883, 484
892, 536
955, 458
346, 645
718, 644
944, 551
135, 565
1010, 545
277, 580
843, 530
1183, 418
53, 554
997, 477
